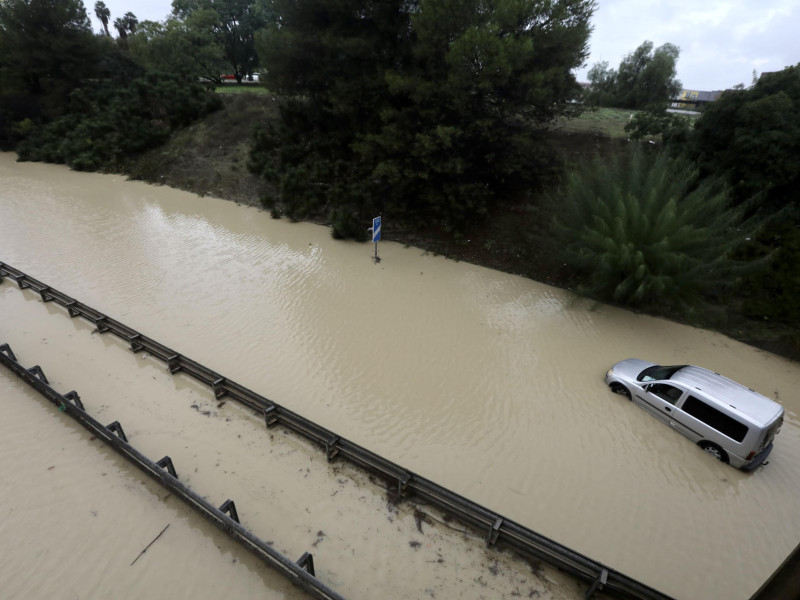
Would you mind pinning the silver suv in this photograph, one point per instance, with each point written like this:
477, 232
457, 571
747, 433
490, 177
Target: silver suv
725, 418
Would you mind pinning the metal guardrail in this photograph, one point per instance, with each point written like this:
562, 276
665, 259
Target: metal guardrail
499, 531
226, 517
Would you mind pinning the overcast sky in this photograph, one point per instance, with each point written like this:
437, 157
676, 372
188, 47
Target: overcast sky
721, 41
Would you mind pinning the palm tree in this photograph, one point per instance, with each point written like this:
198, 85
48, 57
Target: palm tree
122, 28
103, 13
645, 231
126, 24
130, 21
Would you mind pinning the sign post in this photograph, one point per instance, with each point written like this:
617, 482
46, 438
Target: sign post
376, 236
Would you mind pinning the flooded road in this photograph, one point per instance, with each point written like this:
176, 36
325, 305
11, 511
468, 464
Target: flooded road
487, 383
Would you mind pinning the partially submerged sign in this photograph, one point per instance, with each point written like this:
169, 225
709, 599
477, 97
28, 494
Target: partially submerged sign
376, 236
376, 229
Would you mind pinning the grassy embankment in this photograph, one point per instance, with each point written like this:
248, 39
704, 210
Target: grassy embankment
210, 158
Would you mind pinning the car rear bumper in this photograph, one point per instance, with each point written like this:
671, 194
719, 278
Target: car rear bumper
757, 459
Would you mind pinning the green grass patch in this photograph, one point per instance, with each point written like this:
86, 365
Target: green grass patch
605, 121
609, 122
247, 88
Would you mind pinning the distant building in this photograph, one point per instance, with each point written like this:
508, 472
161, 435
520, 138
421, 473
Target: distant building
694, 98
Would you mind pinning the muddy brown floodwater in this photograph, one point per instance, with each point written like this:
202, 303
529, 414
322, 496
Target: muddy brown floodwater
487, 383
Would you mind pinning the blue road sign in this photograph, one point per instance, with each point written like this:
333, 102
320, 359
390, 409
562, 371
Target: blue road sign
376, 229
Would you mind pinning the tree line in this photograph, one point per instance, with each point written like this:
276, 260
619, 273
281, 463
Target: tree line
70, 96
438, 114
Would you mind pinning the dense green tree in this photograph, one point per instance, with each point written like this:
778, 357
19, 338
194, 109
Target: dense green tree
753, 137
47, 48
646, 79
772, 293
45, 43
234, 27
183, 46
646, 232
328, 59
603, 85
427, 110
483, 78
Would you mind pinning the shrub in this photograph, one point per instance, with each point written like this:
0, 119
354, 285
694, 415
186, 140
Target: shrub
346, 224
114, 119
773, 294
673, 128
643, 231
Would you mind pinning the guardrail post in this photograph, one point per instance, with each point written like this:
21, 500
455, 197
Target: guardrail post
44, 293
494, 532
219, 388
73, 312
23, 283
37, 372
102, 324
136, 345
166, 463
597, 584
229, 507
271, 416
331, 448
115, 427
6, 349
307, 562
76, 400
402, 482
173, 363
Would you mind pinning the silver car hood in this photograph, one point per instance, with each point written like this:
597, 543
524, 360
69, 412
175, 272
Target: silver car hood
629, 369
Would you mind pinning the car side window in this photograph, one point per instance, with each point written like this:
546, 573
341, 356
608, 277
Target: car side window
666, 392
713, 418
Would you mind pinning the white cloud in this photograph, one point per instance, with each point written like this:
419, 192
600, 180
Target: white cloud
721, 41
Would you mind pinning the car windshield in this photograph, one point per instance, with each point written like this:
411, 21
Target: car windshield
658, 373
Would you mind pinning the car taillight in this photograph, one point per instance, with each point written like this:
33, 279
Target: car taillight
751, 455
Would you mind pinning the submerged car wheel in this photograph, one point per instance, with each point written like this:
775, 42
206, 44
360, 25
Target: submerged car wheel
618, 388
715, 451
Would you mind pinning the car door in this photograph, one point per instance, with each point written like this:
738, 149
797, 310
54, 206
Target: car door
659, 400
686, 424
